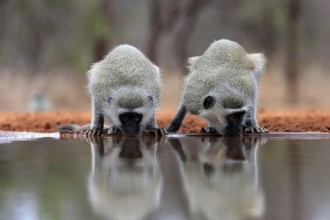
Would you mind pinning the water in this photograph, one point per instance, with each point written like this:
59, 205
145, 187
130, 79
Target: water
173, 178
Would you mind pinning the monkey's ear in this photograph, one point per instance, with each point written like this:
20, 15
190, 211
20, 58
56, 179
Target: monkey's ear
157, 69
259, 62
150, 100
209, 102
192, 60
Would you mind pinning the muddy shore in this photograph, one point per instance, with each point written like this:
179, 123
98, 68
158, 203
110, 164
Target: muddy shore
274, 121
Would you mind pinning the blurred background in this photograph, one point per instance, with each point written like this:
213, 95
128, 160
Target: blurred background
47, 46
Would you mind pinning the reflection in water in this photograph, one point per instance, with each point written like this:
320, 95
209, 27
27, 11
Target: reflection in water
220, 176
194, 178
125, 180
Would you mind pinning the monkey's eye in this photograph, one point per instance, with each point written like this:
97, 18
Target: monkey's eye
109, 99
125, 117
137, 118
130, 117
209, 102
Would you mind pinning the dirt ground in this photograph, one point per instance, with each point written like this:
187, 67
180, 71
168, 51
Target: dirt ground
274, 121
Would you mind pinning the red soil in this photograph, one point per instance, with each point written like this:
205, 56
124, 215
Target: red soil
274, 121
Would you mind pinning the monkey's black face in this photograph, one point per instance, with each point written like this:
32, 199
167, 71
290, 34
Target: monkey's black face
130, 123
234, 123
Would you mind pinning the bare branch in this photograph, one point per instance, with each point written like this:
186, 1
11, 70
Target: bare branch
294, 9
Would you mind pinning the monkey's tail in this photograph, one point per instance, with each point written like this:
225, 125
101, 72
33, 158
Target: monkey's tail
72, 127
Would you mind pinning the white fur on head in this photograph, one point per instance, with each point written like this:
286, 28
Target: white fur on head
229, 111
130, 99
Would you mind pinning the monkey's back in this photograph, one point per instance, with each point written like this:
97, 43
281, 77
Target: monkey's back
223, 71
124, 66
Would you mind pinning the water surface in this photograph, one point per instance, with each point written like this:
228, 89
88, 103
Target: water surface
173, 178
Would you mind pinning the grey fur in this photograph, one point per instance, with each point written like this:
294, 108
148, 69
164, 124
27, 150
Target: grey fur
124, 81
230, 75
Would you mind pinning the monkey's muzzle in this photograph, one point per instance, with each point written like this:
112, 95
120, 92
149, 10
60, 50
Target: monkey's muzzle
130, 123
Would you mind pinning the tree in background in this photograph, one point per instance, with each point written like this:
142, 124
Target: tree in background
104, 41
268, 30
43, 35
177, 18
291, 64
40, 36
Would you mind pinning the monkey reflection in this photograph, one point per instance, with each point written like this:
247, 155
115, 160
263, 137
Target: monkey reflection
125, 181
220, 176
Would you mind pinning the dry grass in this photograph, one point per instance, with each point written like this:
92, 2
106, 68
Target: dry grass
67, 91
313, 89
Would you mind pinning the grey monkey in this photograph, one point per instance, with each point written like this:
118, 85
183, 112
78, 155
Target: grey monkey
125, 88
222, 88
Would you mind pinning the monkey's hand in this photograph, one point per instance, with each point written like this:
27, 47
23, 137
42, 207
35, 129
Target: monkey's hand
93, 132
156, 131
254, 130
209, 130
113, 131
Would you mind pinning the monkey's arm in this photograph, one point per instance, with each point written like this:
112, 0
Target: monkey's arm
177, 120
73, 128
250, 124
96, 127
153, 129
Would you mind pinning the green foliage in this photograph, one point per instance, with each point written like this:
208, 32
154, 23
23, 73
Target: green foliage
50, 33
47, 34
280, 20
96, 25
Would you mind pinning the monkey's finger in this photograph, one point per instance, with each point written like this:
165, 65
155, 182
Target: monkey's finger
85, 133
257, 130
265, 130
95, 132
114, 130
162, 131
261, 130
165, 132
155, 132
208, 130
248, 130
89, 133
106, 131
99, 132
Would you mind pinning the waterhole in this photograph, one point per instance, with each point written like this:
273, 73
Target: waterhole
177, 177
